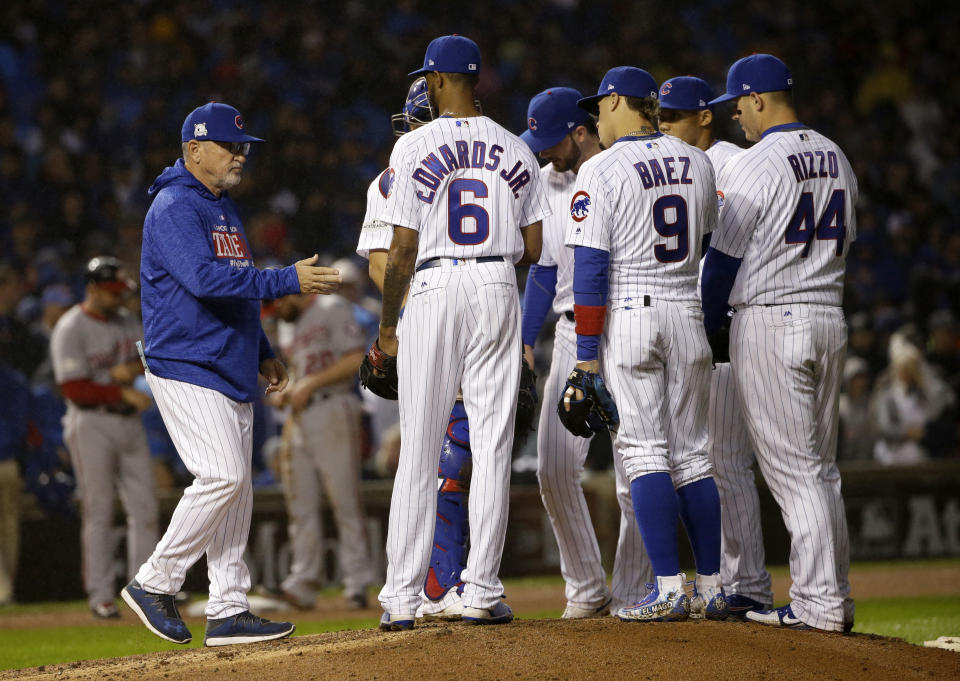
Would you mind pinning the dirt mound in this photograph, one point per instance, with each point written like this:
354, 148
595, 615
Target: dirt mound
538, 649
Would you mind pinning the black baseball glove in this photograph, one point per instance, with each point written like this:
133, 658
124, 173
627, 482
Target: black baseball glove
720, 340
594, 412
378, 373
527, 399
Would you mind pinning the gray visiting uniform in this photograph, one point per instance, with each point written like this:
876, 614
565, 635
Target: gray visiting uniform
108, 449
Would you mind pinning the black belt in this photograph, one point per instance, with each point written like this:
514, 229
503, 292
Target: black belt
118, 409
435, 262
570, 316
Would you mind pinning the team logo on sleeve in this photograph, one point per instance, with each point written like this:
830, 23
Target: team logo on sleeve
580, 206
386, 182
532, 123
720, 198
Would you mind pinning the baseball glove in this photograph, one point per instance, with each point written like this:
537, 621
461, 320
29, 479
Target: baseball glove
378, 373
595, 412
527, 400
720, 341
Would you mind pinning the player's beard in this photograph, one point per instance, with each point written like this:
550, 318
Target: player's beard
570, 161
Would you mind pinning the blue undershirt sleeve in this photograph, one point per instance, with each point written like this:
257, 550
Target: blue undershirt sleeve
590, 287
537, 297
719, 274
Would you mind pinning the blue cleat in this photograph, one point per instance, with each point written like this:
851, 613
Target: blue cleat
390, 622
244, 627
666, 602
158, 612
498, 614
709, 601
777, 617
738, 606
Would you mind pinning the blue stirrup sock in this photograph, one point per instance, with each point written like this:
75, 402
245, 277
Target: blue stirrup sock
656, 506
700, 511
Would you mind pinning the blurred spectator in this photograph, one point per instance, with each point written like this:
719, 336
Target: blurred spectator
13, 442
856, 425
943, 353
20, 348
915, 410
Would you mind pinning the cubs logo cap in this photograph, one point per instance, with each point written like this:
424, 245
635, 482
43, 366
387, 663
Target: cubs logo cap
686, 93
756, 73
217, 122
450, 54
551, 116
626, 81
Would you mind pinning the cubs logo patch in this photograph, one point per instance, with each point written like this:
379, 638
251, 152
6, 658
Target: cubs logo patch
665, 90
720, 198
580, 206
532, 123
238, 121
386, 182
199, 129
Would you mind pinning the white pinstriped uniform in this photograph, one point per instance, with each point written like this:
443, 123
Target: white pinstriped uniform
325, 449
561, 455
375, 235
785, 201
219, 457
108, 451
742, 562
655, 360
471, 180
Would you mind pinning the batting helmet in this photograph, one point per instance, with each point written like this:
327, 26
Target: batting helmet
417, 109
105, 271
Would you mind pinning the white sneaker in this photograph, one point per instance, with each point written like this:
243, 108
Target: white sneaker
450, 607
708, 600
575, 612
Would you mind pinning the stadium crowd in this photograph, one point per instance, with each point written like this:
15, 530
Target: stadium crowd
92, 93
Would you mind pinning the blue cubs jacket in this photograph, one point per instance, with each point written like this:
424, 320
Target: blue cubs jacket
200, 292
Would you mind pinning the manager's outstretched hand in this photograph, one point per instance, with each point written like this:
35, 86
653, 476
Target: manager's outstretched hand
314, 279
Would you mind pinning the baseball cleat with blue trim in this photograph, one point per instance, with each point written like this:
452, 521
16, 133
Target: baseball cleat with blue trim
777, 617
389, 622
666, 602
498, 614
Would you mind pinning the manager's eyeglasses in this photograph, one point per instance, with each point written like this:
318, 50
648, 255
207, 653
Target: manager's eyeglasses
236, 148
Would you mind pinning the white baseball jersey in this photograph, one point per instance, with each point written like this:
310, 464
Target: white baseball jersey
559, 187
451, 176
561, 455
643, 200
325, 447
720, 152
789, 213
376, 235
107, 446
467, 186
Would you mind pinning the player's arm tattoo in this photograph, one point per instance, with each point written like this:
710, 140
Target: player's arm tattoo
400, 263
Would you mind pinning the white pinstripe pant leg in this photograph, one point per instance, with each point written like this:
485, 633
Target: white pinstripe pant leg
560, 459
787, 369
491, 379
632, 570
429, 368
743, 565
213, 516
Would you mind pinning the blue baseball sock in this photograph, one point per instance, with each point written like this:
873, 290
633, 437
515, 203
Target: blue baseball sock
656, 507
700, 511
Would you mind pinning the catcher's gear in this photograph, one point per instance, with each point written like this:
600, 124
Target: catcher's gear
720, 340
378, 373
417, 108
527, 399
594, 412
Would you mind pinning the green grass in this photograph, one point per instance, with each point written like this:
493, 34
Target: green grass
914, 619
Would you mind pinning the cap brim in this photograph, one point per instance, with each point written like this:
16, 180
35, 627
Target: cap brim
723, 98
539, 143
420, 72
591, 104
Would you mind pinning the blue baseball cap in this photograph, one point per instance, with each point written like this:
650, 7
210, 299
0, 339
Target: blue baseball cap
551, 116
450, 54
626, 81
756, 73
216, 122
686, 93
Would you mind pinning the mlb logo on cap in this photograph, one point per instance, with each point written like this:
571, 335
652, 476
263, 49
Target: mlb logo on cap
685, 93
756, 73
450, 54
626, 81
552, 114
215, 121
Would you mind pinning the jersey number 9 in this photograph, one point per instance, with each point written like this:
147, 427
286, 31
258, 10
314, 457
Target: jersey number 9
675, 226
459, 211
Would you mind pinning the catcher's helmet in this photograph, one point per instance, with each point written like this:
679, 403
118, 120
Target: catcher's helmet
417, 108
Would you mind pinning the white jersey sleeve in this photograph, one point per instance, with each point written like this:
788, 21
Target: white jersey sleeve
559, 188
375, 235
789, 214
648, 201
720, 152
467, 186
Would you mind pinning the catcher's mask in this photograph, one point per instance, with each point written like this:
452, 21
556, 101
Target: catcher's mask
417, 109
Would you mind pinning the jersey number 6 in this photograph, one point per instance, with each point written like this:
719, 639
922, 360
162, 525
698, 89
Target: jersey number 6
459, 211
675, 227
832, 225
